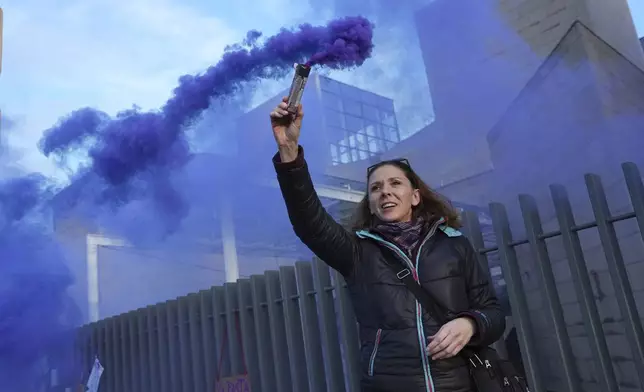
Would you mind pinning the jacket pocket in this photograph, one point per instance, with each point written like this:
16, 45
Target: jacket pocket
374, 353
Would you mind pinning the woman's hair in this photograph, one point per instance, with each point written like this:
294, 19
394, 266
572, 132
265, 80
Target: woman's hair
432, 204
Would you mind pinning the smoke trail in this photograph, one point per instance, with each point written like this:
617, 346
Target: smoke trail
134, 141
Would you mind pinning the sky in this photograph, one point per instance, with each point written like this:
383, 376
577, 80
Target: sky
60, 55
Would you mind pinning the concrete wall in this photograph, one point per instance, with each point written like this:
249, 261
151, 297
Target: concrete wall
480, 54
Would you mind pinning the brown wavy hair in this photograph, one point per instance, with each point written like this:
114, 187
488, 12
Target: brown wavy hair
432, 204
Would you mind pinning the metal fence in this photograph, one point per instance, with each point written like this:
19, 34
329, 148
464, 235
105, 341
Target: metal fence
294, 329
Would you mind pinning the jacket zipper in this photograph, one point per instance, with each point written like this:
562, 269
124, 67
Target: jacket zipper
374, 353
422, 341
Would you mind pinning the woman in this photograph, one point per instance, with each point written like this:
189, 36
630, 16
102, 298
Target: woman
402, 221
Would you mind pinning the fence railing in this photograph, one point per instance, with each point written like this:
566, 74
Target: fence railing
294, 329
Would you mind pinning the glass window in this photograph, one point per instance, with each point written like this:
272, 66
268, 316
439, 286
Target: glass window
350, 92
352, 141
344, 157
371, 129
362, 141
370, 113
352, 107
391, 134
334, 152
390, 145
373, 145
329, 85
370, 98
332, 101
335, 134
388, 118
363, 154
333, 118
353, 123
354, 155
385, 103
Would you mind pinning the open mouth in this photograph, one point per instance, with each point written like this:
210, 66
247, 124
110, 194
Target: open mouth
387, 206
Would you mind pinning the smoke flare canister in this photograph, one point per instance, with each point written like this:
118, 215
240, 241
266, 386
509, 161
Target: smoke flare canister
302, 72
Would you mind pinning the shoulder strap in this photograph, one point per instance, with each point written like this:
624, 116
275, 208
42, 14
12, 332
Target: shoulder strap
423, 297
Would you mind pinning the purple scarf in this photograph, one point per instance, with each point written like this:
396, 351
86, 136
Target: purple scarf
404, 234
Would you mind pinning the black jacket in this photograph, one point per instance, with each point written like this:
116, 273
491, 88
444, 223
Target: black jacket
393, 326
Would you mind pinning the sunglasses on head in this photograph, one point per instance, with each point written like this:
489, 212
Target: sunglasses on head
403, 161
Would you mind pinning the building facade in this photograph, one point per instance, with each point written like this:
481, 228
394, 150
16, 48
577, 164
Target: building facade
360, 124
343, 124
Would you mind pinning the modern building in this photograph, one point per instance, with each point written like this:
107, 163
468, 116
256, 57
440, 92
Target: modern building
477, 64
343, 124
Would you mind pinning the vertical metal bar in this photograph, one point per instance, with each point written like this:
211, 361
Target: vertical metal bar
617, 271
184, 344
294, 337
636, 192
84, 349
349, 332
173, 346
534, 229
109, 360
93, 341
135, 368
196, 343
86, 352
310, 326
329, 326
232, 326
101, 327
144, 343
518, 303
222, 366
278, 331
117, 362
162, 347
247, 330
472, 229
263, 333
585, 297
81, 352
207, 336
89, 348
126, 367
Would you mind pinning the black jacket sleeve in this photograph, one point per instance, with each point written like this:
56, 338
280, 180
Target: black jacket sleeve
331, 242
485, 308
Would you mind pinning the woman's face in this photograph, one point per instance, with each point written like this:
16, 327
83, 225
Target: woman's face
391, 195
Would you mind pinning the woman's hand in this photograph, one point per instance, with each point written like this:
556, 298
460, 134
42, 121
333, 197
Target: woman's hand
451, 338
286, 130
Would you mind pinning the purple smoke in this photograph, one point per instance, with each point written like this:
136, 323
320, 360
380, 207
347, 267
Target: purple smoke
134, 142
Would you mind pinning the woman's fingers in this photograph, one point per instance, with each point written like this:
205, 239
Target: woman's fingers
279, 112
453, 348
